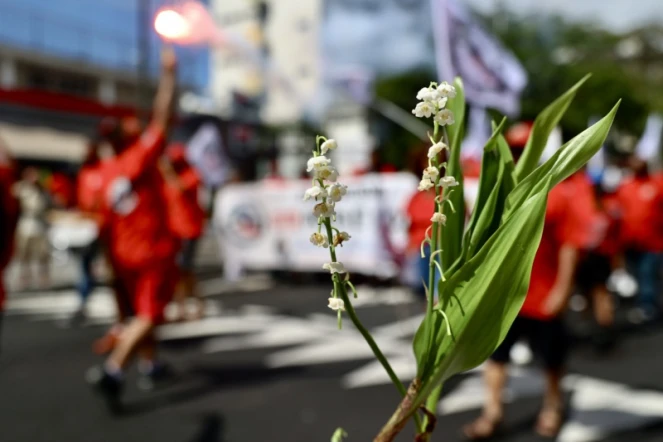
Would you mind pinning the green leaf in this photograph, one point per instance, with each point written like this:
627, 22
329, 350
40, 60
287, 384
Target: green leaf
453, 231
565, 162
509, 165
483, 297
420, 347
492, 170
543, 125
457, 106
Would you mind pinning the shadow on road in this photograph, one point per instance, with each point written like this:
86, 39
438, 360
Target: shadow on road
212, 429
207, 380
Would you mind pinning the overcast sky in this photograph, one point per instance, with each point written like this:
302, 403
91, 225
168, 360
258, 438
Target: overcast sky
618, 15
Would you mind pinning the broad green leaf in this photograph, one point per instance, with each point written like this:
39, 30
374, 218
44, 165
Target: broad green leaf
453, 231
492, 169
483, 297
421, 350
543, 125
565, 162
489, 219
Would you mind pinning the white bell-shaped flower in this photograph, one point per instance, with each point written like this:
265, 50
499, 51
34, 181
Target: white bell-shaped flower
444, 117
336, 192
328, 145
439, 218
334, 267
317, 162
324, 210
336, 304
319, 240
315, 192
424, 110
435, 149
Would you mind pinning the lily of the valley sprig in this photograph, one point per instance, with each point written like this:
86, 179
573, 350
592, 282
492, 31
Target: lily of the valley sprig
433, 102
478, 270
327, 192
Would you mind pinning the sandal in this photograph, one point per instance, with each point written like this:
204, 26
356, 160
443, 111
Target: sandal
549, 422
483, 428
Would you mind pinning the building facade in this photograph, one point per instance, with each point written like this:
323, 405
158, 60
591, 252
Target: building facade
284, 34
66, 64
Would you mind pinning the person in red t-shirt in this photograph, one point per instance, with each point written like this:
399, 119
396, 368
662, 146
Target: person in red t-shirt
141, 246
419, 211
565, 233
9, 211
641, 199
598, 262
186, 220
569, 227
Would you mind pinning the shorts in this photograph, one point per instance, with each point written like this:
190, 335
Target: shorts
593, 270
548, 340
149, 290
187, 255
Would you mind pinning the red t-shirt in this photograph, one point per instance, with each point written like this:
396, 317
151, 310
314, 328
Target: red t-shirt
62, 189
89, 188
612, 213
471, 167
9, 211
570, 219
135, 207
641, 199
185, 216
419, 210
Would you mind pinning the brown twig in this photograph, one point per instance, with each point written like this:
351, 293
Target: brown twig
401, 415
430, 426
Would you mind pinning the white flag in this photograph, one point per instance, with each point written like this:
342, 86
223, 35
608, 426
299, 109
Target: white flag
478, 133
205, 153
492, 76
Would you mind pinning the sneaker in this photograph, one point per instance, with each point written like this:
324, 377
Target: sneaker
109, 387
158, 376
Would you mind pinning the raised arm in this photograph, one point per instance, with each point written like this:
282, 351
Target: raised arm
164, 101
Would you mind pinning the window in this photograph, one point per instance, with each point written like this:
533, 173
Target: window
60, 81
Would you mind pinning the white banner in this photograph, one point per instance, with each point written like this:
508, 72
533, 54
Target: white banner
263, 226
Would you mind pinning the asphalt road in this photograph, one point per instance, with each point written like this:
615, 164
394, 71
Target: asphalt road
268, 364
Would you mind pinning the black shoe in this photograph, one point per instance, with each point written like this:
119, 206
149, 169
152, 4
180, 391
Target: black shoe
107, 386
159, 376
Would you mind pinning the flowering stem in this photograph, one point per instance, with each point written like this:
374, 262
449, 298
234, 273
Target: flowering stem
341, 289
434, 244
